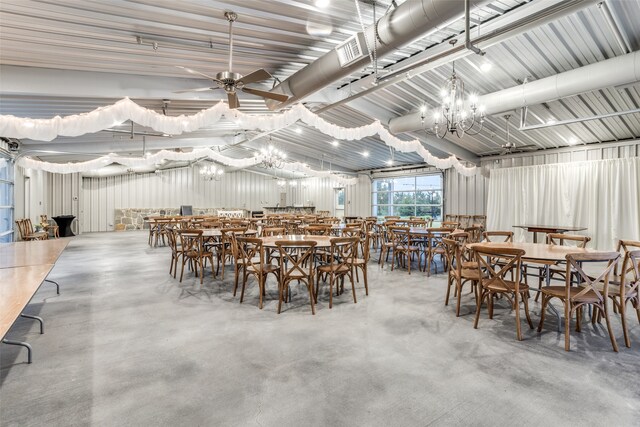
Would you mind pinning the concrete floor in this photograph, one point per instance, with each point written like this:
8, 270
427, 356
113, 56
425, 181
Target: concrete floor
126, 344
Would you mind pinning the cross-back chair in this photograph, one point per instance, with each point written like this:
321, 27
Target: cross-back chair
296, 265
590, 291
496, 263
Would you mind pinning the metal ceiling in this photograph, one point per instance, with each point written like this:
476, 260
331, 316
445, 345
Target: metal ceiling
99, 37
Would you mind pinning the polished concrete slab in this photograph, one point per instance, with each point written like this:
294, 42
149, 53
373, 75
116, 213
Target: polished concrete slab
126, 344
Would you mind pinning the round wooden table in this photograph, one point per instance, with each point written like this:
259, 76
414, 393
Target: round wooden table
321, 241
537, 251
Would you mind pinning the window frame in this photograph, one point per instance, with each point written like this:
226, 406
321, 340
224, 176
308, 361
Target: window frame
390, 192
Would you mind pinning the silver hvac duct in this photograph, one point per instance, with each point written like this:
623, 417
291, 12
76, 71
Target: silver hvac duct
409, 21
621, 70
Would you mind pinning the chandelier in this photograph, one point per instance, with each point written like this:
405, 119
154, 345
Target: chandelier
454, 116
272, 158
211, 173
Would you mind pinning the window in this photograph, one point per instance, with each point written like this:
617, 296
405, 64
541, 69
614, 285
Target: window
408, 196
339, 198
6, 200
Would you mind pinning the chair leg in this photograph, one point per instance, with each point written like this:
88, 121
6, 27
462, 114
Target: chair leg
478, 306
543, 309
280, 291
516, 303
235, 284
449, 283
364, 277
311, 298
353, 289
625, 331
459, 291
525, 300
567, 325
614, 344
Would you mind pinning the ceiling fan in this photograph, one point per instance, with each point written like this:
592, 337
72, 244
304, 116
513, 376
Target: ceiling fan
232, 82
511, 147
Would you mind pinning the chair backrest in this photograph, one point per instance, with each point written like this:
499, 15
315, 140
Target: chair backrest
249, 250
351, 231
331, 220
272, 231
450, 224
344, 249
296, 259
587, 282
630, 282
20, 225
28, 226
191, 241
453, 255
563, 239
626, 246
318, 230
228, 232
498, 236
461, 237
506, 259
475, 234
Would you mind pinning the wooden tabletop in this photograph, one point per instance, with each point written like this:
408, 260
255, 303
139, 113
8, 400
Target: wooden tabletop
22, 254
550, 228
537, 251
321, 241
17, 287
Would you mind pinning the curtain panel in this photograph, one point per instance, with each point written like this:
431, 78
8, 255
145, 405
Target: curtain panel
601, 195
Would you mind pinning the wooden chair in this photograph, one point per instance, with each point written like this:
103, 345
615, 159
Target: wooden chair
495, 283
435, 247
176, 251
589, 291
343, 250
272, 253
49, 227
403, 247
193, 251
318, 230
555, 269
25, 229
459, 273
498, 236
386, 243
224, 249
296, 265
252, 262
625, 287
361, 263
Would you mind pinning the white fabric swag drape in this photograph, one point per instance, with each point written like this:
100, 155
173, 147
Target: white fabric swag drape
602, 195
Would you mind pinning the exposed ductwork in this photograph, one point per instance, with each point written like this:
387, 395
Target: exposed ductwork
402, 25
584, 79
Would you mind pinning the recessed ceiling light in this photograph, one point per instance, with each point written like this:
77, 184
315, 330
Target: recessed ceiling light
298, 130
335, 143
551, 122
486, 66
321, 4
572, 141
365, 153
389, 162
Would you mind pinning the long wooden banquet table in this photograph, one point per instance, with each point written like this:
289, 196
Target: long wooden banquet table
539, 253
24, 266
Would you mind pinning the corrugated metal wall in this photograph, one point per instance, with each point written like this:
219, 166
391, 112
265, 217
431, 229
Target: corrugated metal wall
241, 189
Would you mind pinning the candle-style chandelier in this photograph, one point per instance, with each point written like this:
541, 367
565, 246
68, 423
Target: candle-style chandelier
272, 157
211, 172
454, 116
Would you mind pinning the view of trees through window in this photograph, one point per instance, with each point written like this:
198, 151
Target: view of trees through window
408, 196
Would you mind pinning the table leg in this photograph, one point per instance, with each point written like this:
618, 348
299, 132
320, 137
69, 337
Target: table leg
55, 283
39, 319
535, 237
22, 344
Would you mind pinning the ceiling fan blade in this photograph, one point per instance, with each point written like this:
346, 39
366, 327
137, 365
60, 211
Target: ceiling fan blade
189, 70
200, 89
233, 100
529, 147
263, 93
256, 76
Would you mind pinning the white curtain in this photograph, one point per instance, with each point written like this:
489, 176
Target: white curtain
602, 195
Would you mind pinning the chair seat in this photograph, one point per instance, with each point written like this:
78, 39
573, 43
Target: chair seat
614, 289
470, 265
405, 248
507, 286
338, 268
264, 268
561, 292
